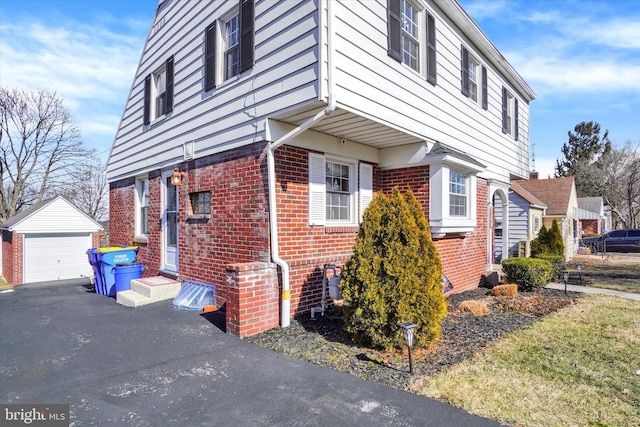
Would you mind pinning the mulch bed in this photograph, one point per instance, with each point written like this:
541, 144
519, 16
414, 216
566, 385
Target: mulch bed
323, 340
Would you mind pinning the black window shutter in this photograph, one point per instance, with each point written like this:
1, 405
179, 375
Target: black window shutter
431, 50
516, 134
246, 34
505, 128
169, 68
147, 100
394, 38
210, 57
485, 91
465, 71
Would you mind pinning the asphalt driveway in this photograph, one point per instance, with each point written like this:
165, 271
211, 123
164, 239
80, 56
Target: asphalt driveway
155, 366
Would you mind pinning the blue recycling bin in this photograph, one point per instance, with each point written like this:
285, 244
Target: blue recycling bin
108, 259
124, 274
98, 280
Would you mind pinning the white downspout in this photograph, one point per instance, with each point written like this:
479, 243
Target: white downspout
285, 307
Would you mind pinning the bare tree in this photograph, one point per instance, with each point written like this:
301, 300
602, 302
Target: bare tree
616, 177
39, 147
89, 189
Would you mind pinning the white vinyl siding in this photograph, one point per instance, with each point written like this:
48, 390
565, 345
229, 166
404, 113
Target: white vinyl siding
371, 81
233, 113
290, 71
519, 213
57, 217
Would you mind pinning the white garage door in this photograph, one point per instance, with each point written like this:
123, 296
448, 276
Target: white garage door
56, 256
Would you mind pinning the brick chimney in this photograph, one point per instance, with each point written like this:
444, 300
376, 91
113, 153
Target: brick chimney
533, 175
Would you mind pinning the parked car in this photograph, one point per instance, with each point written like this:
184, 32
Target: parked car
624, 240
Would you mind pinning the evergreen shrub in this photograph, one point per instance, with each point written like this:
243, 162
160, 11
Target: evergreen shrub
557, 262
549, 241
393, 276
528, 273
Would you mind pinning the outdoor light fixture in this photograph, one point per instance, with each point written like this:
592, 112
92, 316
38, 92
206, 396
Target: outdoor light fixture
407, 330
565, 273
580, 272
176, 177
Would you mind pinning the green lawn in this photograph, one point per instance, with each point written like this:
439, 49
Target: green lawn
578, 367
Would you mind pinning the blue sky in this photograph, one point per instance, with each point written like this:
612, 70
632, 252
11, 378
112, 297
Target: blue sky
582, 58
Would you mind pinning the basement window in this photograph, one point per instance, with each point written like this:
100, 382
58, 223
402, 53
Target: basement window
200, 203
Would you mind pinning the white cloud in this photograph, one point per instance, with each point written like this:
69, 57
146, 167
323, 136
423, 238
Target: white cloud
482, 9
560, 73
88, 65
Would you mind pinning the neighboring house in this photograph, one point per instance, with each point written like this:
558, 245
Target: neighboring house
526, 212
280, 120
591, 215
48, 241
560, 196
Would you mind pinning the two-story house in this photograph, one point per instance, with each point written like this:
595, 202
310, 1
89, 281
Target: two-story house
279, 120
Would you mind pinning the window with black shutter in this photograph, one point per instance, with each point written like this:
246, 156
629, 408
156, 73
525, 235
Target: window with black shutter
394, 29
464, 66
485, 89
246, 34
158, 92
229, 44
210, 57
431, 49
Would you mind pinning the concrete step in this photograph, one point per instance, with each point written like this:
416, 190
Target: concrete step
148, 290
132, 299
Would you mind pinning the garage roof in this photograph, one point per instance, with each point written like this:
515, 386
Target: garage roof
56, 215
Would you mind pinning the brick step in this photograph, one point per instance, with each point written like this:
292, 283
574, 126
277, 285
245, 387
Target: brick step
148, 290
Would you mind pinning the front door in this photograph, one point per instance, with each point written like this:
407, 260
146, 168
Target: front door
170, 224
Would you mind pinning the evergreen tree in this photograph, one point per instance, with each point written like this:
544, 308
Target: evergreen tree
548, 242
393, 276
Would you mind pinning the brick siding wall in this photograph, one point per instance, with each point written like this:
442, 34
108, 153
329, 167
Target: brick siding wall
237, 231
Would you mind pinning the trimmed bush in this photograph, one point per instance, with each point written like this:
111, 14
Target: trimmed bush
504, 290
528, 273
393, 276
557, 262
474, 306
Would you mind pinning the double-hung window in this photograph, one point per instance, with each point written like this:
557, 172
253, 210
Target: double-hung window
412, 37
410, 40
457, 194
229, 45
337, 190
338, 180
158, 92
509, 114
474, 78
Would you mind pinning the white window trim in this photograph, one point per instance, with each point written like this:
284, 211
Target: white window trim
361, 190
440, 221
155, 93
510, 113
138, 205
221, 48
420, 39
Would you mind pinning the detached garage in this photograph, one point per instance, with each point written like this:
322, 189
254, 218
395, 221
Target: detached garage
48, 241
